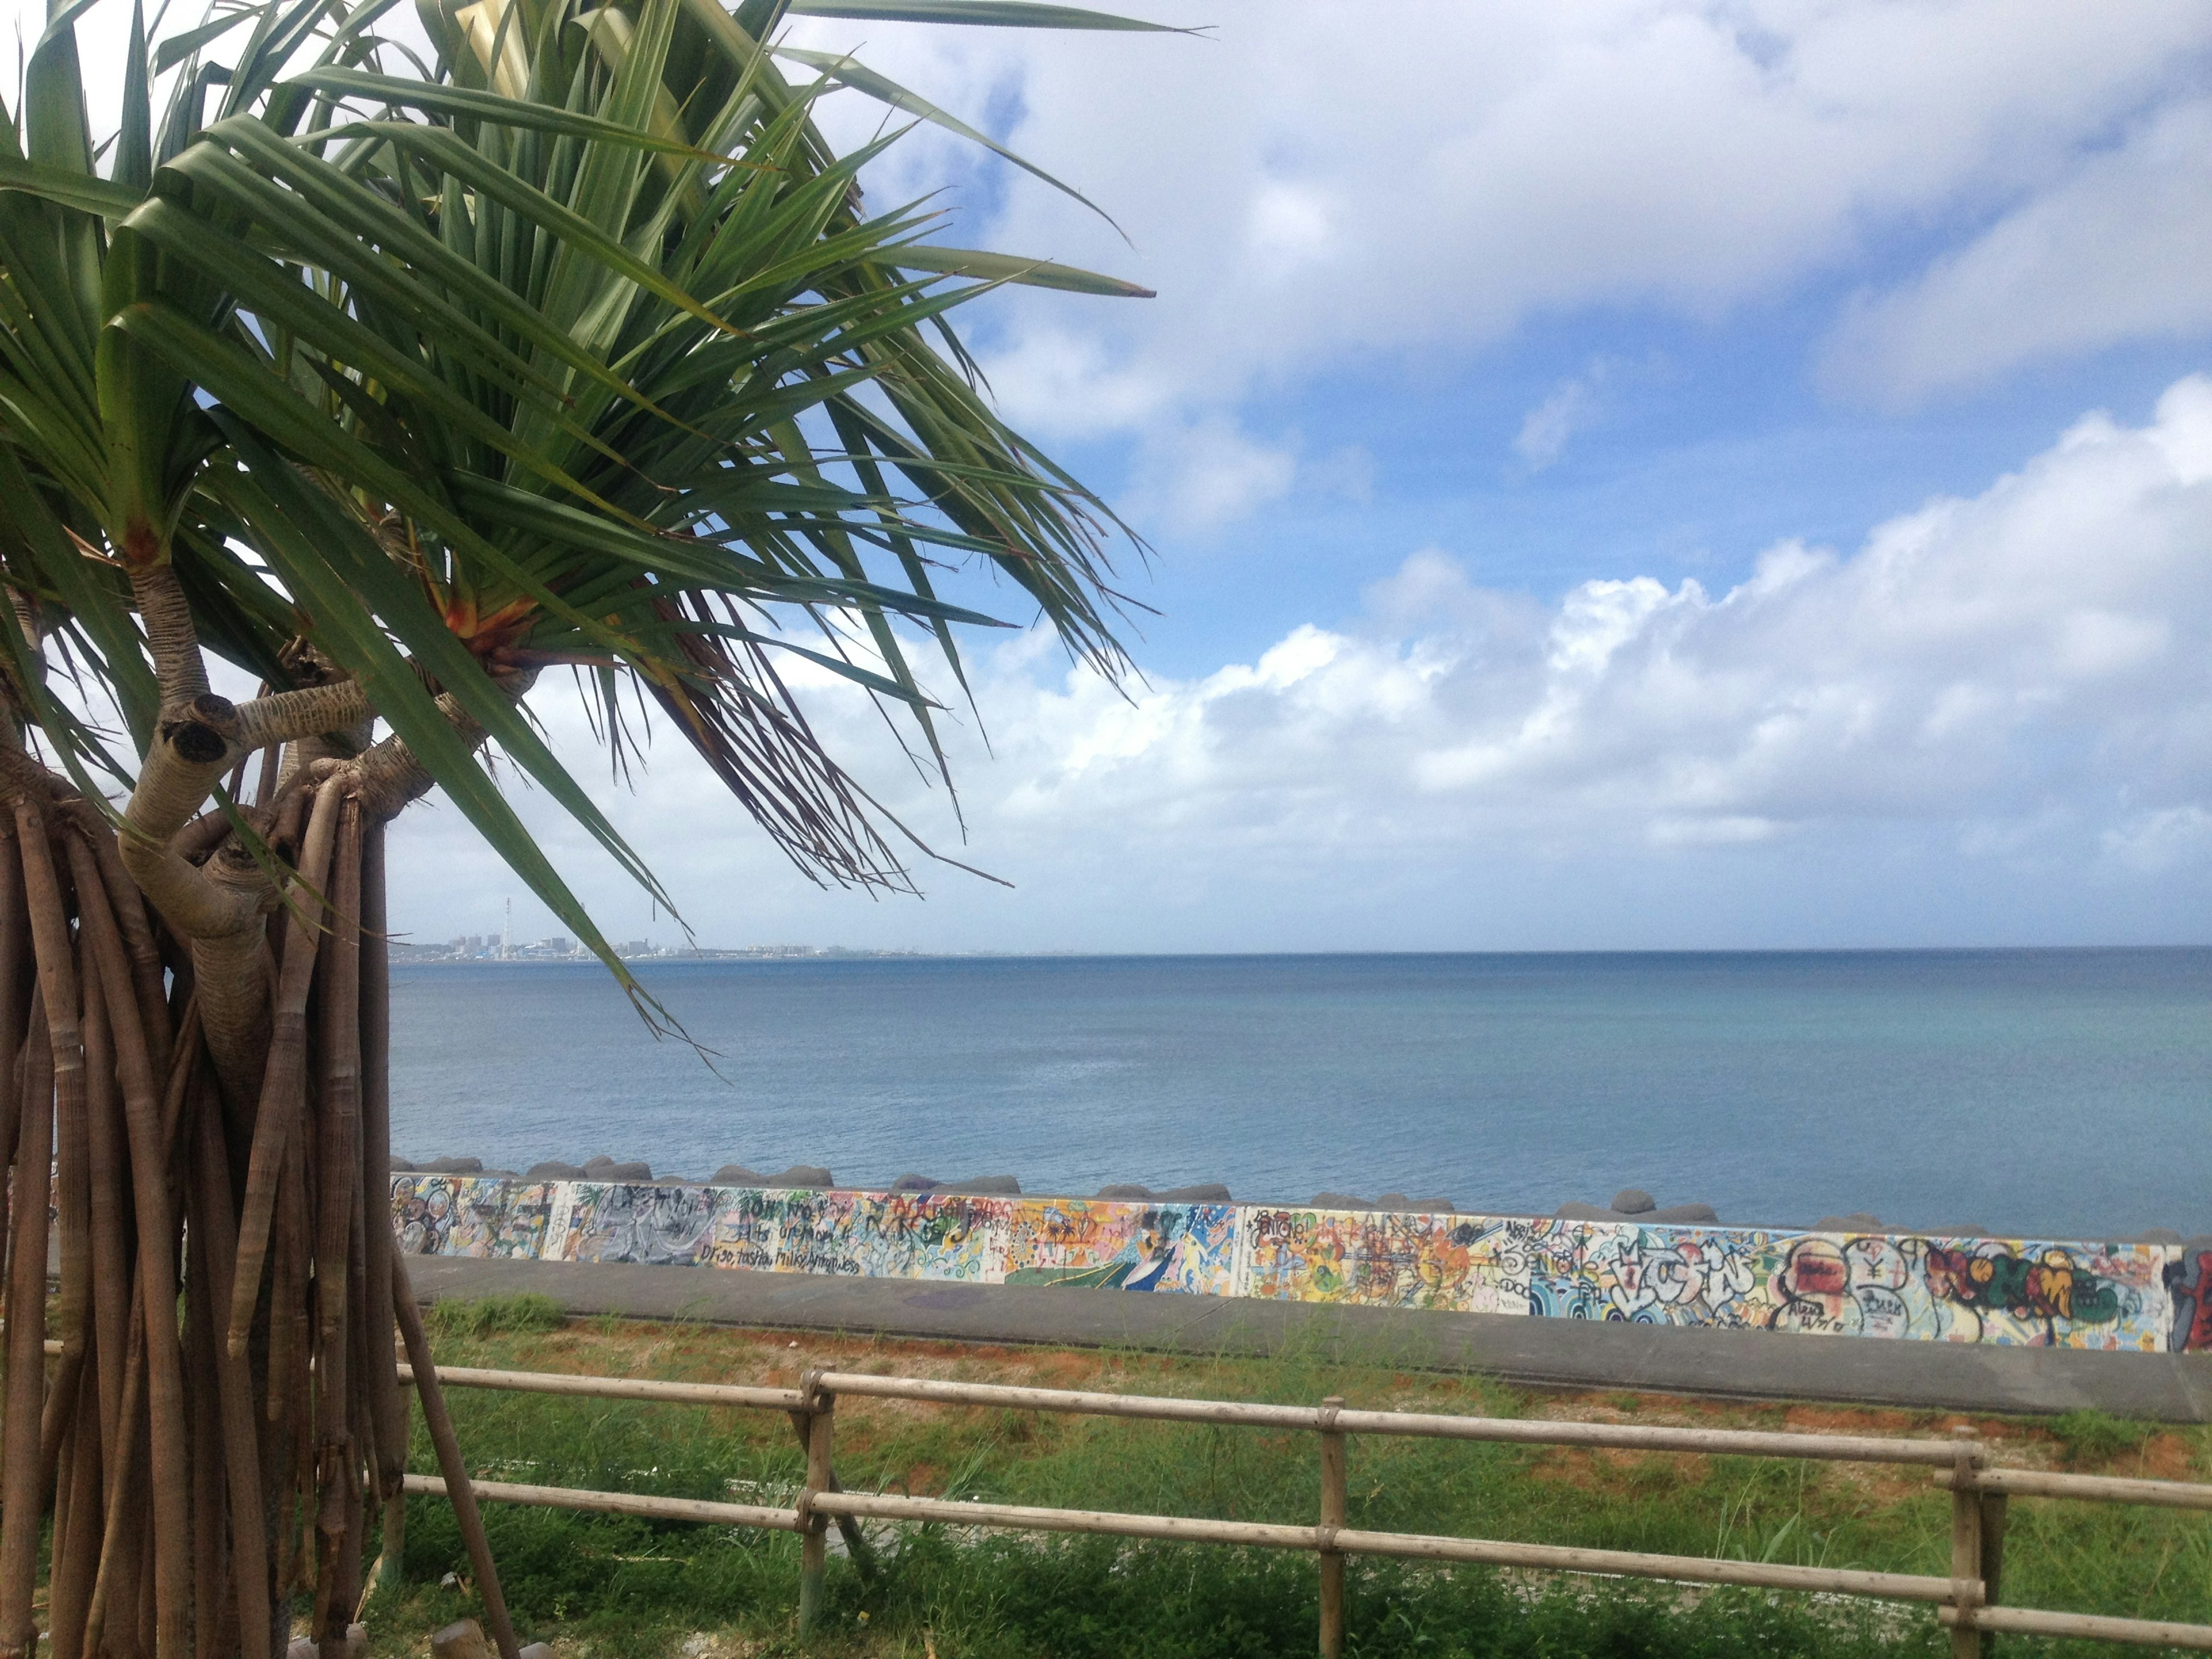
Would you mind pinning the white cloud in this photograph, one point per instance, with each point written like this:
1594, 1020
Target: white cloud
2153, 842
1992, 720
1288, 226
1208, 473
1579, 403
1309, 196
1546, 428
2119, 250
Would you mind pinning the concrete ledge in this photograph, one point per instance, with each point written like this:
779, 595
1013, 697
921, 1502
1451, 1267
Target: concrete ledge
1557, 1352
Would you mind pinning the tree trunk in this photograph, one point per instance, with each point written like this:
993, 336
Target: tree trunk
225, 1416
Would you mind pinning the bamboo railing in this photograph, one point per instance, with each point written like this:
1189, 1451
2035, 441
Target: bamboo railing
1966, 1600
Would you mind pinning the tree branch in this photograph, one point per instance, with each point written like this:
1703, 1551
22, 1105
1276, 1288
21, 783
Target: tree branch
387, 776
197, 742
179, 667
336, 705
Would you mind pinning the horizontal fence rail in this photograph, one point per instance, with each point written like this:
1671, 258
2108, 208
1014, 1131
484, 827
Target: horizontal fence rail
615, 1503
617, 1388
2095, 1627
1345, 1541
1863, 1449
1964, 1599
2095, 1488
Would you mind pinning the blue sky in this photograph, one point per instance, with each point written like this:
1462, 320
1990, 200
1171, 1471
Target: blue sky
1689, 450
1702, 414
1642, 473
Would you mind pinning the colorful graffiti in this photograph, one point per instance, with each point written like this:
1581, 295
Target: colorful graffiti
2189, 1282
468, 1215
2022, 1294
2019, 1293
894, 1235
1186, 1247
1511, 1265
663, 1226
1647, 1275
860, 1235
1848, 1285
1376, 1259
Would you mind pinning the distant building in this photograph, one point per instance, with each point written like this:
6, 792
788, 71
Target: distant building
559, 947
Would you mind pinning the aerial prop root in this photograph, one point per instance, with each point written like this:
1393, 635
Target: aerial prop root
224, 1416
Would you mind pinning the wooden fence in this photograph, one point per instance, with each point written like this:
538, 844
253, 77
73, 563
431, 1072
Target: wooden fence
1966, 1600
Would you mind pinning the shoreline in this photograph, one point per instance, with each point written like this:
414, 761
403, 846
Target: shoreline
836, 953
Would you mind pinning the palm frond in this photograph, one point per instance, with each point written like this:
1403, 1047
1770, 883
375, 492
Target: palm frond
580, 349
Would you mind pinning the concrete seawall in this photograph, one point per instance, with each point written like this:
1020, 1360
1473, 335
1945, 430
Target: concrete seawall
2136, 1296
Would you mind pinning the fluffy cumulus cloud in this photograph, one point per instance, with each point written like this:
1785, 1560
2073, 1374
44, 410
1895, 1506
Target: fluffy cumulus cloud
1316, 192
1989, 691
2119, 250
1309, 187
1310, 192
1989, 719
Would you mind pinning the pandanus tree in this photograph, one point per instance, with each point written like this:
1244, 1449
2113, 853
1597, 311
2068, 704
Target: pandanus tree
395, 379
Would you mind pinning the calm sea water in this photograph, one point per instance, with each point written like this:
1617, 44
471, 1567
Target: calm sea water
2059, 1091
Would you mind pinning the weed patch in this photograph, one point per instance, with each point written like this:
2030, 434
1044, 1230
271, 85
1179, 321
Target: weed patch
524, 1314
2089, 1435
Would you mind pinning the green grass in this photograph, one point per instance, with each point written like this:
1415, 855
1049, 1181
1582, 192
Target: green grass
527, 1312
2090, 1436
609, 1586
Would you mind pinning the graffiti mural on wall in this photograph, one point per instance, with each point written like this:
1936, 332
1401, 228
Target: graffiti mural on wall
465, 1215
2016, 1293
1510, 1265
664, 1226
860, 1235
747, 1220
2034, 1293
894, 1235
1386, 1259
986, 1240
1186, 1247
2189, 1282
1646, 1275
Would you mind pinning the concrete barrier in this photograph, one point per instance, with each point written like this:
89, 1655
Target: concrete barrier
2118, 1294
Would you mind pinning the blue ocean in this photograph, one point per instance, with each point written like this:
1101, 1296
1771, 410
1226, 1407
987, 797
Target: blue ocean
2058, 1092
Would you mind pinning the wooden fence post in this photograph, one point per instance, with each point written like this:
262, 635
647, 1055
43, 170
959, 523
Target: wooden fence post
1993, 1543
1967, 1564
1331, 1521
857, 1546
814, 1543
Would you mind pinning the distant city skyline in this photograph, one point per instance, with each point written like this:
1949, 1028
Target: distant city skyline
559, 947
